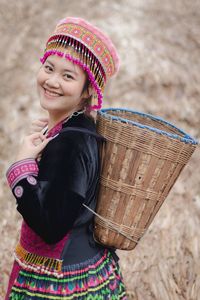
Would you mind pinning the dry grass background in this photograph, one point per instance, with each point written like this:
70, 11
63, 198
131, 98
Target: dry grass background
159, 46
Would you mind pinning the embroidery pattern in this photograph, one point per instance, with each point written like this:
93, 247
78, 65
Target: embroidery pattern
91, 41
18, 191
31, 180
97, 278
20, 170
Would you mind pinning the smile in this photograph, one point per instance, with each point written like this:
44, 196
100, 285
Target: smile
51, 94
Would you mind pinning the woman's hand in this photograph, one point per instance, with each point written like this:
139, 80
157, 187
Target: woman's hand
32, 145
38, 125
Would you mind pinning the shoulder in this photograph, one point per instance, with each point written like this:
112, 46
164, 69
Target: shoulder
64, 144
61, 154
80, 132
72, 141
80, 121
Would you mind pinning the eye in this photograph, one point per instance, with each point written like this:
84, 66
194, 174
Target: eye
68, 76
48, 68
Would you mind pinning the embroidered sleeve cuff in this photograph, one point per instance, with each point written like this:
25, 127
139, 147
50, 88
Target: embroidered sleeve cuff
21, 169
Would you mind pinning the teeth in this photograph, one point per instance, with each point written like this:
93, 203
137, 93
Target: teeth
51, 93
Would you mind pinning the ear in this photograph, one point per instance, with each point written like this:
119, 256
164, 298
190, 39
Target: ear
89, 92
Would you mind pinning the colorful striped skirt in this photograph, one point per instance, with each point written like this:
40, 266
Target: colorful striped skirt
98, 278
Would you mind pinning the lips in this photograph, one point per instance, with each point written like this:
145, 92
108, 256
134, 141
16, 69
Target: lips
51, 93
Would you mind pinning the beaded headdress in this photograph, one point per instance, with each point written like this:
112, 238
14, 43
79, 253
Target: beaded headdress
85, 45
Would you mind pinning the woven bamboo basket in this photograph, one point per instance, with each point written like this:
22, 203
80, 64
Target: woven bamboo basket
140, 161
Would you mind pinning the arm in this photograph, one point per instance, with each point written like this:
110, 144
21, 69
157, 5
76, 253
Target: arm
49, 197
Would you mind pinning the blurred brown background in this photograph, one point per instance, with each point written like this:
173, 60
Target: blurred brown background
159, 46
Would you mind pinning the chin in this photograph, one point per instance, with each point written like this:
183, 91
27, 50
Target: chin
45, 105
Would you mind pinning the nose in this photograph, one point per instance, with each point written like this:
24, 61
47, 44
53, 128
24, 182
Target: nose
53, 81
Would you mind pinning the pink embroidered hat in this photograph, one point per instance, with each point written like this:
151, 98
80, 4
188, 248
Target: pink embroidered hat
85, 45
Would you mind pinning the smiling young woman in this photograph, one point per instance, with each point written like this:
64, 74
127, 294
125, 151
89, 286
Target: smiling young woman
56, 256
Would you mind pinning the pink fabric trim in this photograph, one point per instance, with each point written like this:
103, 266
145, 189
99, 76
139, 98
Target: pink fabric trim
14, 274
35, 244
21, 169
56, 129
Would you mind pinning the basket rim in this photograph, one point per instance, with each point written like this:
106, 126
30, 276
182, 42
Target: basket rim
186, 139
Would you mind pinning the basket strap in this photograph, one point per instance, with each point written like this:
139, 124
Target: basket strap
115, 227
84, 130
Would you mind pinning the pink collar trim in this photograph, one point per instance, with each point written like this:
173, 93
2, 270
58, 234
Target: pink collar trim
57, 128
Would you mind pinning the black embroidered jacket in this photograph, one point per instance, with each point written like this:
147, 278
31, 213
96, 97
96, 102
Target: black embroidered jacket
50, 193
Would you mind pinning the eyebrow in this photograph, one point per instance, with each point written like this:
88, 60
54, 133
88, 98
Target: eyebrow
68, 70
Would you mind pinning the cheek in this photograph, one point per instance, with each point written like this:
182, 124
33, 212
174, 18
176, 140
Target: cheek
76, 88
40, 82
40, 77
69, 88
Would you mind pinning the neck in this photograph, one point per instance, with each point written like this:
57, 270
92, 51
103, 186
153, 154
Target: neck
55, 119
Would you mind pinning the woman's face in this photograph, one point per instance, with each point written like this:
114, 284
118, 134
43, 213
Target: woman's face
60, 84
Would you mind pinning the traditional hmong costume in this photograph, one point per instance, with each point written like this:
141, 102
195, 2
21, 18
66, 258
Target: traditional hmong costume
56, 256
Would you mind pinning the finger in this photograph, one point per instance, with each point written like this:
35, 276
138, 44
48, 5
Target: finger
34, 135
44, 129
42, 123
43, 136
36, 128
39, 123
42, 119
42, 145
37, 140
